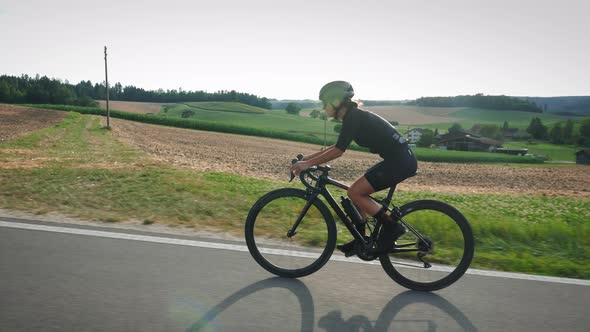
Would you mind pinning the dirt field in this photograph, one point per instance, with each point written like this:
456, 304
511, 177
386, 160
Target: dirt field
411, 115
17, 120
132, 106
269, 158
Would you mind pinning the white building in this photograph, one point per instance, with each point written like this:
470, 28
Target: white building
414, 135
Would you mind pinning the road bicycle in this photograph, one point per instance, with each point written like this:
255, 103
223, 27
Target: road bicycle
291, 233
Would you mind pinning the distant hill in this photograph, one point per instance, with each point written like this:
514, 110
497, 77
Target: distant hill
565, 105
307, 103
383, 102
562, 105
499, 103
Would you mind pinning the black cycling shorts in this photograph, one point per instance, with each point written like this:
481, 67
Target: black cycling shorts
392, 170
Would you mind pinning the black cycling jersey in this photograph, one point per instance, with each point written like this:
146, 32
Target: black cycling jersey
371, 131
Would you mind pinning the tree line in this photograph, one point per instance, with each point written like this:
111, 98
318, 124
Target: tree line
502, 103
43, 90
561, 134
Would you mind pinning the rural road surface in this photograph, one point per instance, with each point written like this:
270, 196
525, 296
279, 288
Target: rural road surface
63, 277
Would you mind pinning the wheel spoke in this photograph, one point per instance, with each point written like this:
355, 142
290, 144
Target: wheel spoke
273, 241
439, 251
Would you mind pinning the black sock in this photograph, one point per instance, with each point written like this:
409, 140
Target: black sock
383, 217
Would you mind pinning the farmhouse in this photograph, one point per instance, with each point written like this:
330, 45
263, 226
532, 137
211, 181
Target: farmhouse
466, 141
509, 133
475, 128
583, 157
414, 135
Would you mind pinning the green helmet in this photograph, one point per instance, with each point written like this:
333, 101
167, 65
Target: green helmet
337, 90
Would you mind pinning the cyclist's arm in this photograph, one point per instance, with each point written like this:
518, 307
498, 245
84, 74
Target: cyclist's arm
311, 156
330, 153
327, 155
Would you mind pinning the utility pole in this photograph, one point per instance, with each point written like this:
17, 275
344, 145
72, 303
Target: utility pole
106, 75
325, 124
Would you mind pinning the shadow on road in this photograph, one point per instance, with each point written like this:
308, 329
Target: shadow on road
333, 321
295, 286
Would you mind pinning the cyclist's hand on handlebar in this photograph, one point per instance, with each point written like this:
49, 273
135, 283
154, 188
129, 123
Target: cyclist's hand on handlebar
299, 167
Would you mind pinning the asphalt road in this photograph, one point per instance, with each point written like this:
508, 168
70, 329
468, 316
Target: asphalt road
71, 282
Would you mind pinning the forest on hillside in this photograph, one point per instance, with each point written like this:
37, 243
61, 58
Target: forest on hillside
572, 105
43, 90
501, 103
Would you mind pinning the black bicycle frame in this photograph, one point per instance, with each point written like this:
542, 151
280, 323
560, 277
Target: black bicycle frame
320, 189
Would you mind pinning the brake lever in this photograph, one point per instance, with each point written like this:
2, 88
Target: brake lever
293, 161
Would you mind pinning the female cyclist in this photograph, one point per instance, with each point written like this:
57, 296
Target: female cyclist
371, 131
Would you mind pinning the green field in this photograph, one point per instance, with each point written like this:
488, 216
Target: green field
467, 117
515, 119
553, 151
245, 124
77, 168
270, 120
227, 107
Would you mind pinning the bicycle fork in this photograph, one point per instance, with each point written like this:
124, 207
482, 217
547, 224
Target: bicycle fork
292, 231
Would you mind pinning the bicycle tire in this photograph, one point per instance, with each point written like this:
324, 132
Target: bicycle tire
255, 251
468, 247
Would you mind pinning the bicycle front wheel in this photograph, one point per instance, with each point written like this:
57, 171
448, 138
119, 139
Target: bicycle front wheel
439, 256
267, 233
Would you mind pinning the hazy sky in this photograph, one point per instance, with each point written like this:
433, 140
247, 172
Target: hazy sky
289, 49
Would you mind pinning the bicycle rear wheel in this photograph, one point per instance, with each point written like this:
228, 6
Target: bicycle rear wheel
448, 247
268, 223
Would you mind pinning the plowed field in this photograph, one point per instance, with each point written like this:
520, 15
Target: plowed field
269, 158
412, 115
17, 120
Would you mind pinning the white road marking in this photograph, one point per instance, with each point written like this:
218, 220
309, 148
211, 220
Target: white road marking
292, 253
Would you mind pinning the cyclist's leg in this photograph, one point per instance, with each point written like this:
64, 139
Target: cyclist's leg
381, 176
359, 194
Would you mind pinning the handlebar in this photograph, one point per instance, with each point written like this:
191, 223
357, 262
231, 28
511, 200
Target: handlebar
309, 172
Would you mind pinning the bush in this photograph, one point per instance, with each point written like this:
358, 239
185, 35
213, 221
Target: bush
187, 113
427, 138
293, 108
537, 129
315, 114
86, 101
585, 133
455, 128
338, 128
521, 136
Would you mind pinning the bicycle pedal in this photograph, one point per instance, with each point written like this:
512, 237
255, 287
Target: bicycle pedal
350, 253
421, 258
